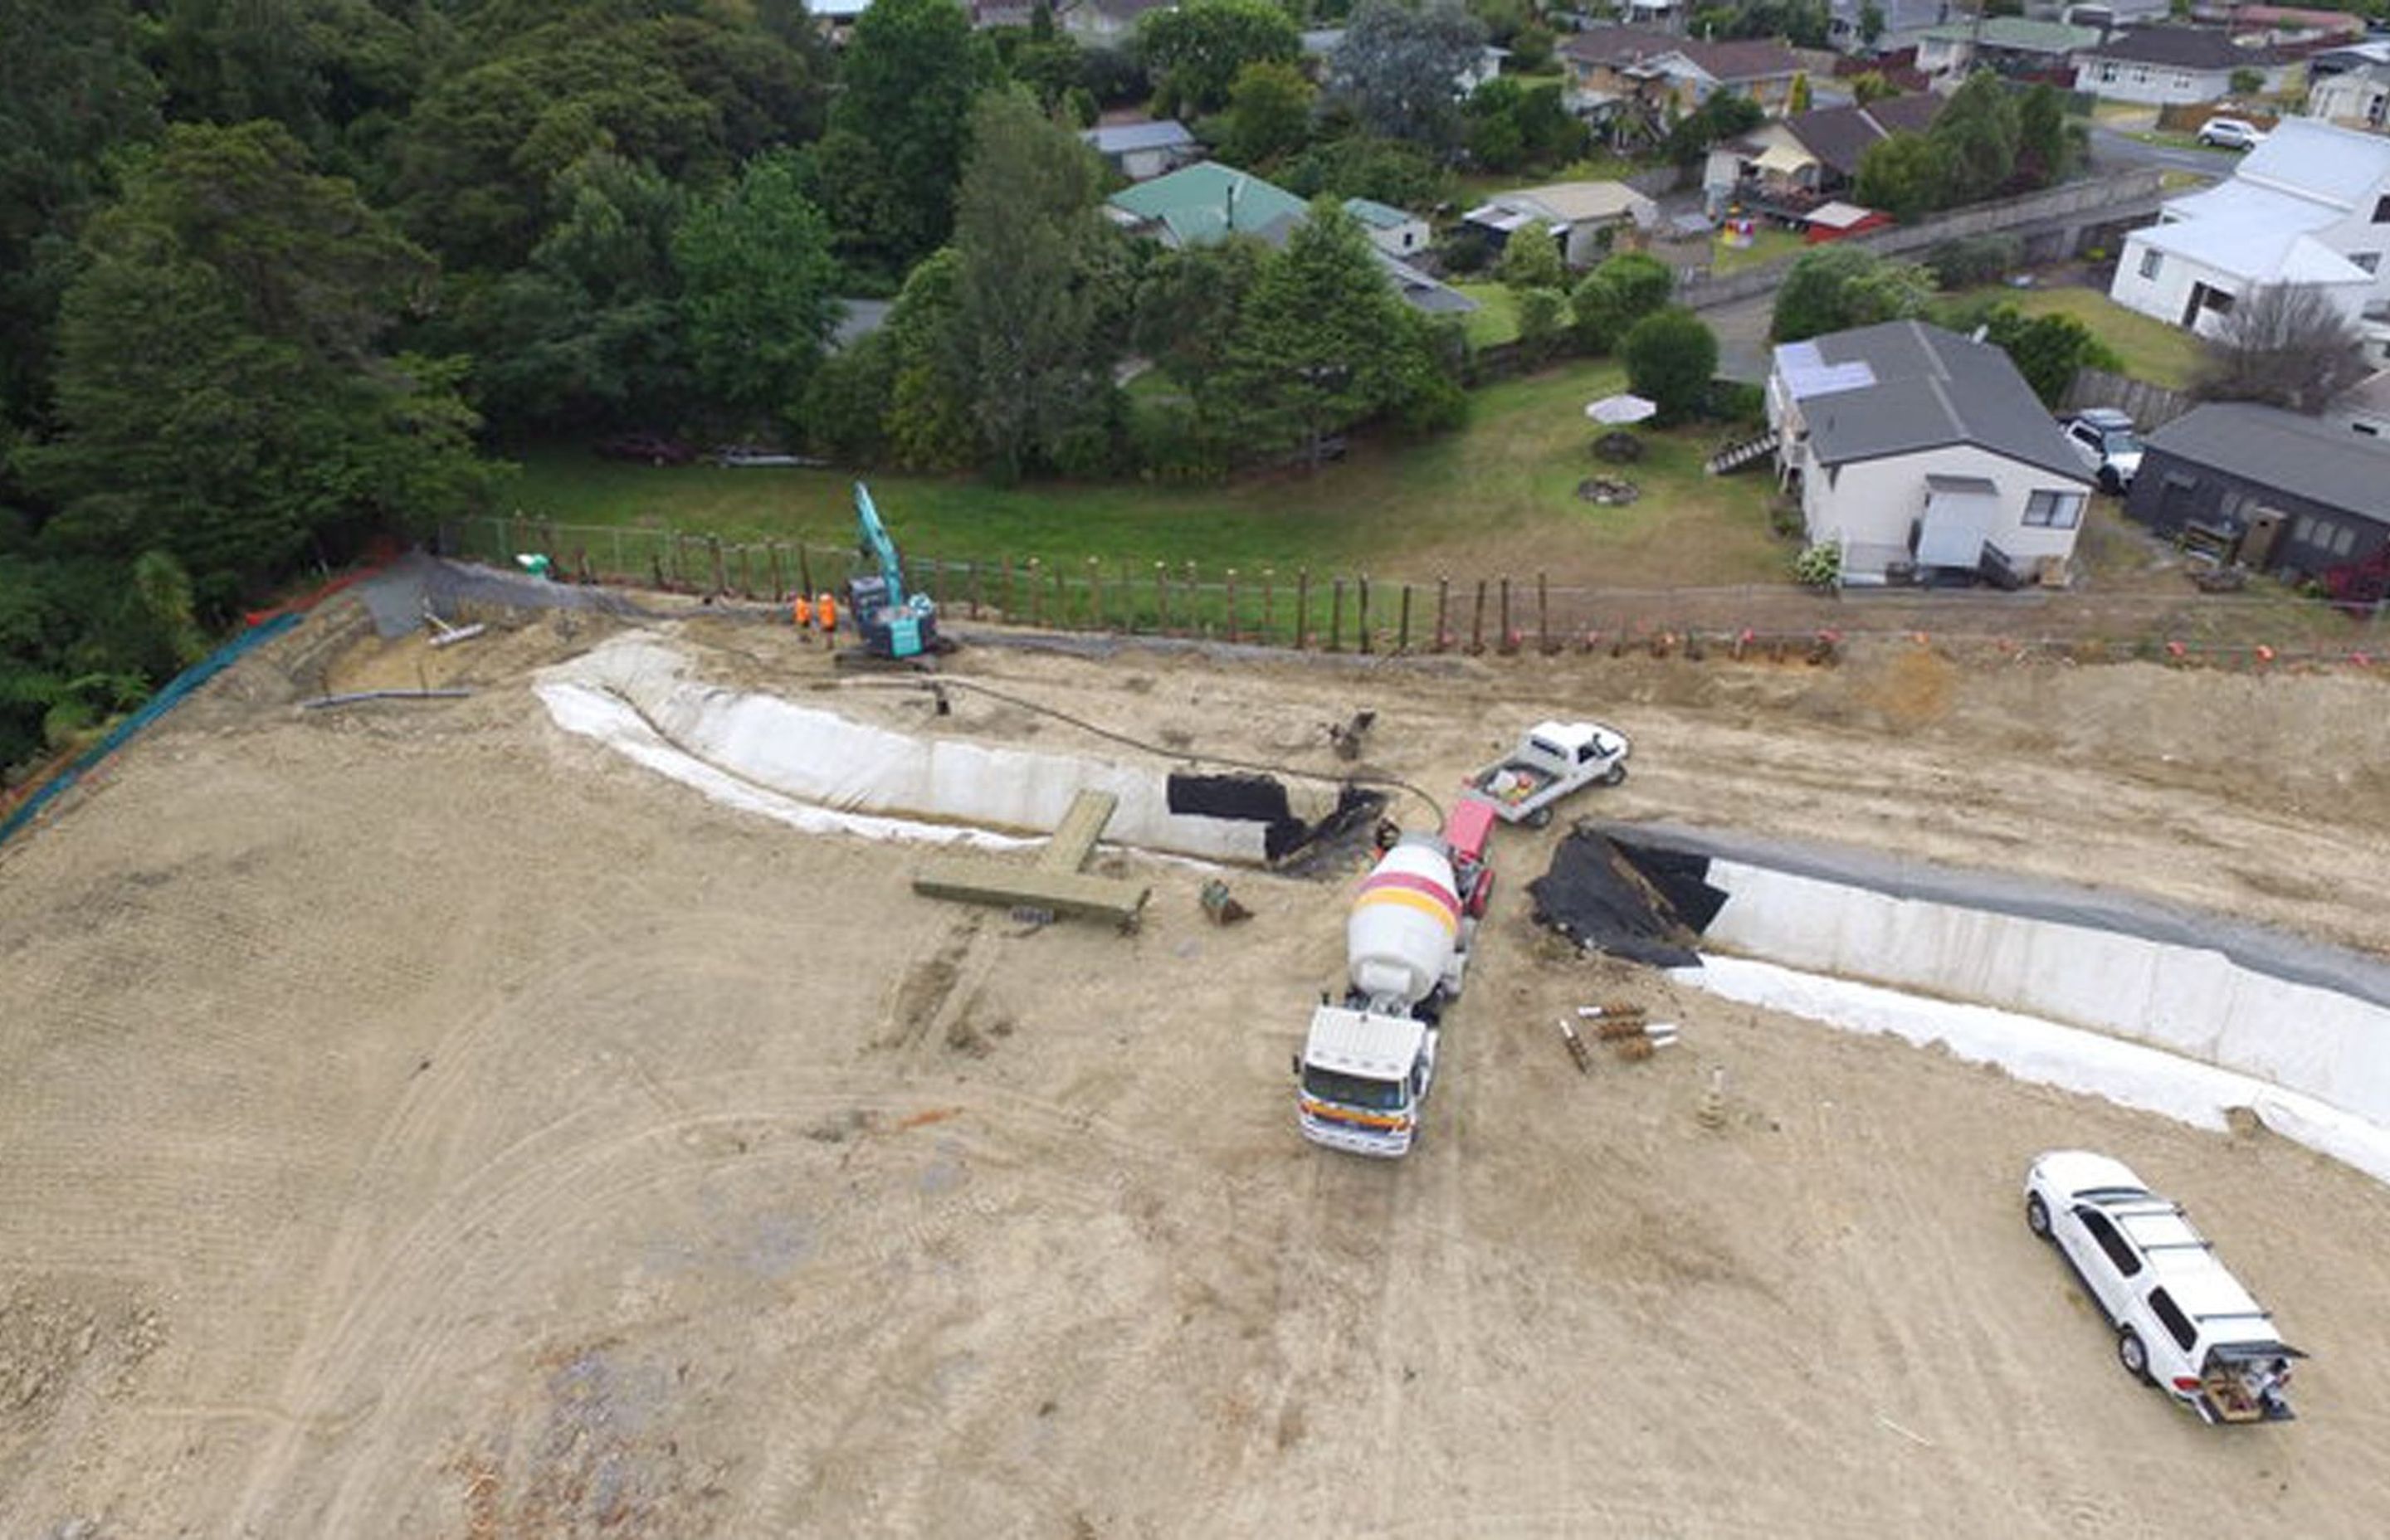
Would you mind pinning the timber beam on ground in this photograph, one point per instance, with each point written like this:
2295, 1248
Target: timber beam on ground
1054, 885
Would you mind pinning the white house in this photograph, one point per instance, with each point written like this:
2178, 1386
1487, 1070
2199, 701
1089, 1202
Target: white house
2308, 206
1921, 454
1142, 150
1396, 232
2357, 97
1580, 215
2171, 64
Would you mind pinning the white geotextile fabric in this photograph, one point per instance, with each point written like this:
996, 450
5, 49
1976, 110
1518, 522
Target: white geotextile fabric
2131, 1074
821, 758
2189, 1000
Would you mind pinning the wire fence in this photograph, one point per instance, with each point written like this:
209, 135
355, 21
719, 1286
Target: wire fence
1518, 613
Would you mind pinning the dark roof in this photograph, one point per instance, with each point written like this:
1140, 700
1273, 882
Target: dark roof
2182, 47
1751, 59
1931, 388
1839, 135
2284, 450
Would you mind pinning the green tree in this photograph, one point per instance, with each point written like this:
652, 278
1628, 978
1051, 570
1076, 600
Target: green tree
1615, 295
2047, 349
899, 129
1724, 116
1837, 287
1979, 130
2246, 82
758, 286
1195, 50
1671, 357
1396, 67
1531, 259
928, 423
1871, 86
2047, 150
1323, 343
1039, 266
1802, 97
1907, 175
1542, 323
1359, 166
1871, 24
1188, 302
1269, 113
223, 392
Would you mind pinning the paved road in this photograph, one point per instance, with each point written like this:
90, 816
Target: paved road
2114, 151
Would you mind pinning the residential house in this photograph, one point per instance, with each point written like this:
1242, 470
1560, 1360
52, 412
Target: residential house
1396, 232
1904, 23
2111, 15
2353, 98
2005, 44
2279, 23
1583, 217
2309, 207
1207, 202
1141, 151
1925, 456
2273, 490
1636, 74
1321, 43
2172, 64
1104, 23
1790, 165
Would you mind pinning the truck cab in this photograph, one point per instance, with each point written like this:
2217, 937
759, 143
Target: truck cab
1361, 1078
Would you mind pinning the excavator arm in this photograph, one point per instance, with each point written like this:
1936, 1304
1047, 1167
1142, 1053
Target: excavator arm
875, 546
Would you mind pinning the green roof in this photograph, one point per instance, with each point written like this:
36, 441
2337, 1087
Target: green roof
2018, 33
1207, 201
1377, 216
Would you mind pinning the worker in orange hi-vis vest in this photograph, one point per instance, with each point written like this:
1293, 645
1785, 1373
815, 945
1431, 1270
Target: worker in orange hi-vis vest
826, 608
800, 615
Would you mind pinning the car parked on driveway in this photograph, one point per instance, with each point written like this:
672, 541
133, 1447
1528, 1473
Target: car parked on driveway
2182, 1322
2105, 439
2231, 133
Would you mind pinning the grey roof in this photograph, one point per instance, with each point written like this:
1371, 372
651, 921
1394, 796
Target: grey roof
1904, 386
2183, 49
1122, 138
2300, 456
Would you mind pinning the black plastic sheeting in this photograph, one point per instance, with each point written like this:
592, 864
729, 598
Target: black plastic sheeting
1644, 905
1263, 800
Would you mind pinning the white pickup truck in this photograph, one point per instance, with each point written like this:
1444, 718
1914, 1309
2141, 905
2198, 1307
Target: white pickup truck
1554, 760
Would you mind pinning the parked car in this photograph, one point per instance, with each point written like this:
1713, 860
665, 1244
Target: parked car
1553, 760
2182, 1322
654, 448
2231, 133
2108, 446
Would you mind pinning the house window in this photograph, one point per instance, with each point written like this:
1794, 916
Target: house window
2107, 73
2054, 510
2182, 83
2382, 210
2152, 260
2216, 300
2303, 529
2369, 261
2344, 540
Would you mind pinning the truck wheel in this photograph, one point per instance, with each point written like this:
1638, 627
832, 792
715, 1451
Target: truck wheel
1618, 773
1540, 819
2134, 1354
2036, 1215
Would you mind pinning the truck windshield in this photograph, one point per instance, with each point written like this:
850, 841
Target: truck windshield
1379, 1096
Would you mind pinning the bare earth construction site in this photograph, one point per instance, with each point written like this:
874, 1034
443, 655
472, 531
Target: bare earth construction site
420, 1121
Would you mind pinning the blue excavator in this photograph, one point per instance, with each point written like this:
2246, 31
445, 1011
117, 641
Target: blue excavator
894, 623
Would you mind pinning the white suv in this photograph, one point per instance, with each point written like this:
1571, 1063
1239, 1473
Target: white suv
2181, 1321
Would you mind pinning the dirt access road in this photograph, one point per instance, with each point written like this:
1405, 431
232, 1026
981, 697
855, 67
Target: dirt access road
418, 1121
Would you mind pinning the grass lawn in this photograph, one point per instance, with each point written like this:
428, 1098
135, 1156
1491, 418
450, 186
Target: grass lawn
2151, 350
1496, 319
1494, 498
1768, 243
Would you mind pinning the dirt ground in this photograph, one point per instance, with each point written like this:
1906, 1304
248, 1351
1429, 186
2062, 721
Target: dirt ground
416, 1121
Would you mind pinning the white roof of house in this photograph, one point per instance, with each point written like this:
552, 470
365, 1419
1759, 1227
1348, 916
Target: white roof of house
2254, 253
2246, 202
2338, 166
1570, 201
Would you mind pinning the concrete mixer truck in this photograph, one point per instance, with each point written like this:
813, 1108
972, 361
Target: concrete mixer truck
1367, 1061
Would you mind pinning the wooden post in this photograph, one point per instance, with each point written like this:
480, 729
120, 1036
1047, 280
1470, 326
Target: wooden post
1443, 611
1543, 617
1161, 598
720, 574
746, 586
1361, 611
1127, 598
780, 578
1194, 601
1302, 608
1232, 605
1061, 604
1403, 628
1477, 620
656, 567
805, 571
1096, 591
1269, 584
581, 559
1506, 615
974, 591
1336, 618
1036, 596
1012, 614
619, 569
